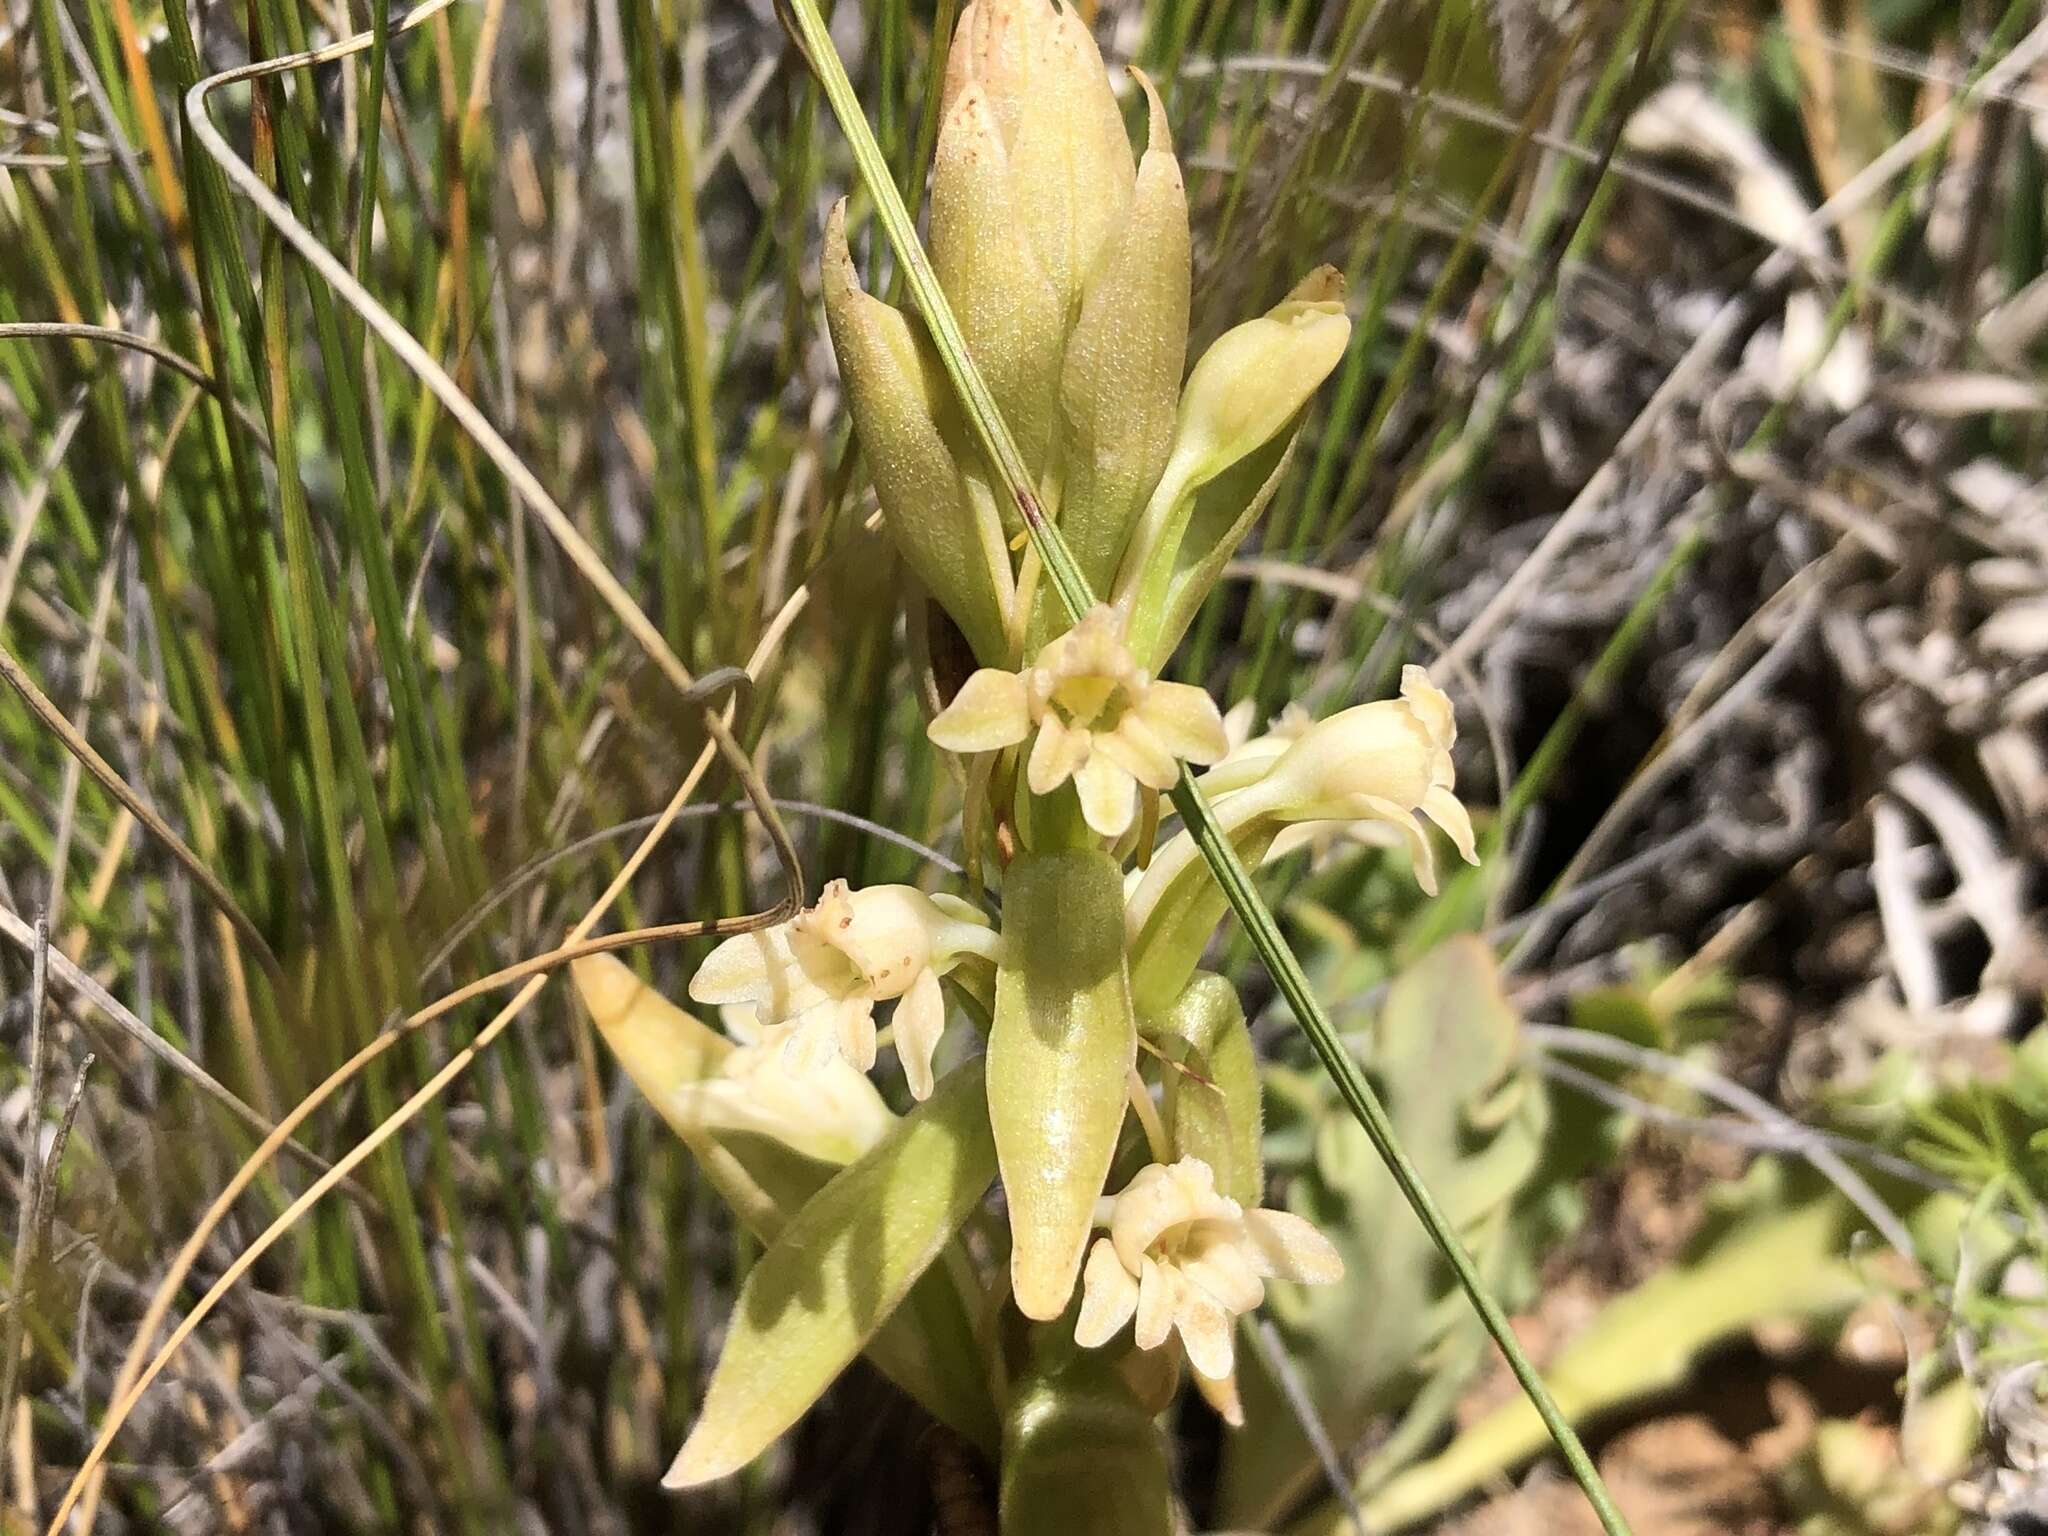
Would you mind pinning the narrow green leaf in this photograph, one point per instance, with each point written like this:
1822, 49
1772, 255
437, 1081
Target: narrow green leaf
841, 1267
1059, 1061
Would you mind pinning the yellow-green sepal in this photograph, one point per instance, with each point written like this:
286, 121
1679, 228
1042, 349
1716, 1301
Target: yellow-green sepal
1059, 1060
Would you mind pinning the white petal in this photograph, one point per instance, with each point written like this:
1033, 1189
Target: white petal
1149, 1204
1156, 1288
813, 1041
1420, 853
1133, 747
1186, 721
920, 1020
1443, 808
1220, 1392
1431, 704
1109, 1296
1054, 756
855, 1023
1290, 1248
1109, 796
1206, 1329
1225, 1273
741, 970
988, 712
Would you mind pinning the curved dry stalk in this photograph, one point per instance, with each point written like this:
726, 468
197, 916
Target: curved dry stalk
134, 1378
464, 410
114, 336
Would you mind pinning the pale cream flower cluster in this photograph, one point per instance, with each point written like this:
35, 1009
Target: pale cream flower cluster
1101, 720
814, 981
1180, 1258
1381, 762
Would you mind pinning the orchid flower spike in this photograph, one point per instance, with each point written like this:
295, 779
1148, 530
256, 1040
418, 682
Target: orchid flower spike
1182, 1258
1102, 721
814, 980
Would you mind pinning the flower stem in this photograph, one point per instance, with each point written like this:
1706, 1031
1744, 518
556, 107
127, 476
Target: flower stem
1148, 1117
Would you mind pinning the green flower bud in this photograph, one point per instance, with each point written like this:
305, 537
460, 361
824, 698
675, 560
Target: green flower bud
1012, 317
897, 393
1235, 426
1122, 378
1065, 156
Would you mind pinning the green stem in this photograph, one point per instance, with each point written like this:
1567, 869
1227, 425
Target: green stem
1000, 449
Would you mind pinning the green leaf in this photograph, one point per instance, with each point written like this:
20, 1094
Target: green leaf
1788, 1261
840, 1268
1212, 1098
1081, 1456
1444, 1048
928, 1346
1059, 1061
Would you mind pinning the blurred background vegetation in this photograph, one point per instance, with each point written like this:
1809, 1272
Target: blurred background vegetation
1722, 521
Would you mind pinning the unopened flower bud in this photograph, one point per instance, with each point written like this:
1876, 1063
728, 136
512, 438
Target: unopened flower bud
951, 539
1121, 383
1235, 424
1064, 154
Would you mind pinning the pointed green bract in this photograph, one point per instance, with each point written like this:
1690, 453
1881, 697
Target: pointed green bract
1230, 440
1059, 1061
952, 540
839, 1269
1122, 377
1009, 311
1223, 512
